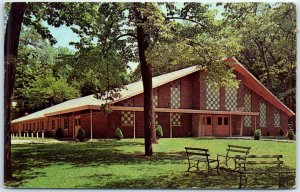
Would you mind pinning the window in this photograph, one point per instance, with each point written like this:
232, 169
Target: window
208, 120
53, 124
175, 102
219, 120
212, 98
128, 116
66, 123
277, 118
247, 107
77, 121
225, 120
263, 114
231, 98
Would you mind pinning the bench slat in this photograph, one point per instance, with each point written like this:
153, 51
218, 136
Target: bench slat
237, 146
260, 162
238, 151
196, 149
259, 156
195, 153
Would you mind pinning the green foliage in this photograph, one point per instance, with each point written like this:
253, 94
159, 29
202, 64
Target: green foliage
118, 134
268, 38
59, 133
291, 135
81, 134
257, 134
159, 132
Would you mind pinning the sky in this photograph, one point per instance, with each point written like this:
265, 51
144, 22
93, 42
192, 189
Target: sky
64, 35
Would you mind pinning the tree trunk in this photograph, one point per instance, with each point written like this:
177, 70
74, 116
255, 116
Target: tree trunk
146, 69
11, 44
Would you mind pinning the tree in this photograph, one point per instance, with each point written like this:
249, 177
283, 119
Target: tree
269, 51
11, 43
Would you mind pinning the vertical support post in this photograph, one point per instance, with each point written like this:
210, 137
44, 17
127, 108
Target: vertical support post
27, 134
37, 135
230, 126
134, 124
242, 125
73, 125
91, 115
43, 135
171, 125
31, 134
255, 123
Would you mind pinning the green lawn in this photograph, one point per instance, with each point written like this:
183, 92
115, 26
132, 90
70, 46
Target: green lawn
121, 164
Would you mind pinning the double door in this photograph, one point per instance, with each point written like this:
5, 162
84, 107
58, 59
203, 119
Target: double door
215, 125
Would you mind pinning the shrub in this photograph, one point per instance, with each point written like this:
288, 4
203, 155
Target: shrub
281, 133
59, 133
81, 134
291, 134
257, 134
159, 132
119, 134
48, 134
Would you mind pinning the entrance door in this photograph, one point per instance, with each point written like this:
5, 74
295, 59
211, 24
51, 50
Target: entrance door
207, 125
222, 125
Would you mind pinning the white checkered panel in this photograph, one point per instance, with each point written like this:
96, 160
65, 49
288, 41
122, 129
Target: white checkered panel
212, 98
231, 98
277, 118
247, 107
155, 98
127, 116
176, 118
156, 118
175, 94
263, 114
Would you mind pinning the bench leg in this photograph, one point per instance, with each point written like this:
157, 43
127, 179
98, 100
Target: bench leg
189, 166
198, 166
240, 186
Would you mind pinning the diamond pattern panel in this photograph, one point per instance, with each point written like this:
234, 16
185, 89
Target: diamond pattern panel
155, 98
156, 118
127, 116
247, 107
212, 98
176, 118
175, 94
277, 118
231, 99
263, 114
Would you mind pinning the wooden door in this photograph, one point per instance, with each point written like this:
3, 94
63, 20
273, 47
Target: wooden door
207, 125
222, 125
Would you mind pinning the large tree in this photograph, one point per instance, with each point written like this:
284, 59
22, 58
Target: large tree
269, 51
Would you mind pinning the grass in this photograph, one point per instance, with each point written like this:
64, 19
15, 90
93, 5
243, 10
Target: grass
121, 164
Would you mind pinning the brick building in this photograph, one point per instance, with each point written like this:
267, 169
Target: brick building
184, 106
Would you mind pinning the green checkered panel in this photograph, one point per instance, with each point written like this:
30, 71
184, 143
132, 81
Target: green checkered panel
212, 98
176, 118
263, 114
231, 98
277, 118
175, 94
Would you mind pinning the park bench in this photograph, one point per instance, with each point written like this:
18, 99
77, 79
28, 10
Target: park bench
232, 152
200, 155
252, 164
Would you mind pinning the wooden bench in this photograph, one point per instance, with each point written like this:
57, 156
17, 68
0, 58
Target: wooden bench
272, 165
232, 152
198, 155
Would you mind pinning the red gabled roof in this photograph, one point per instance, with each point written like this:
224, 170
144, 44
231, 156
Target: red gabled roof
256, 86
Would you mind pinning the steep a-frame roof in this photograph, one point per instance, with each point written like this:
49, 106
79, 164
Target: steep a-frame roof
133, 89
90, 102
256, 86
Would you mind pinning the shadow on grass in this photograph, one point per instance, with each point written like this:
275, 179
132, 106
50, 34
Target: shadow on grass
27, 158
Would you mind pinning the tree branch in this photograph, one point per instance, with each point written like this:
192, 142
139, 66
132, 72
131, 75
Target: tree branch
187, 19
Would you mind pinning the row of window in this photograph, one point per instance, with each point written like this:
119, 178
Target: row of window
54, 124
